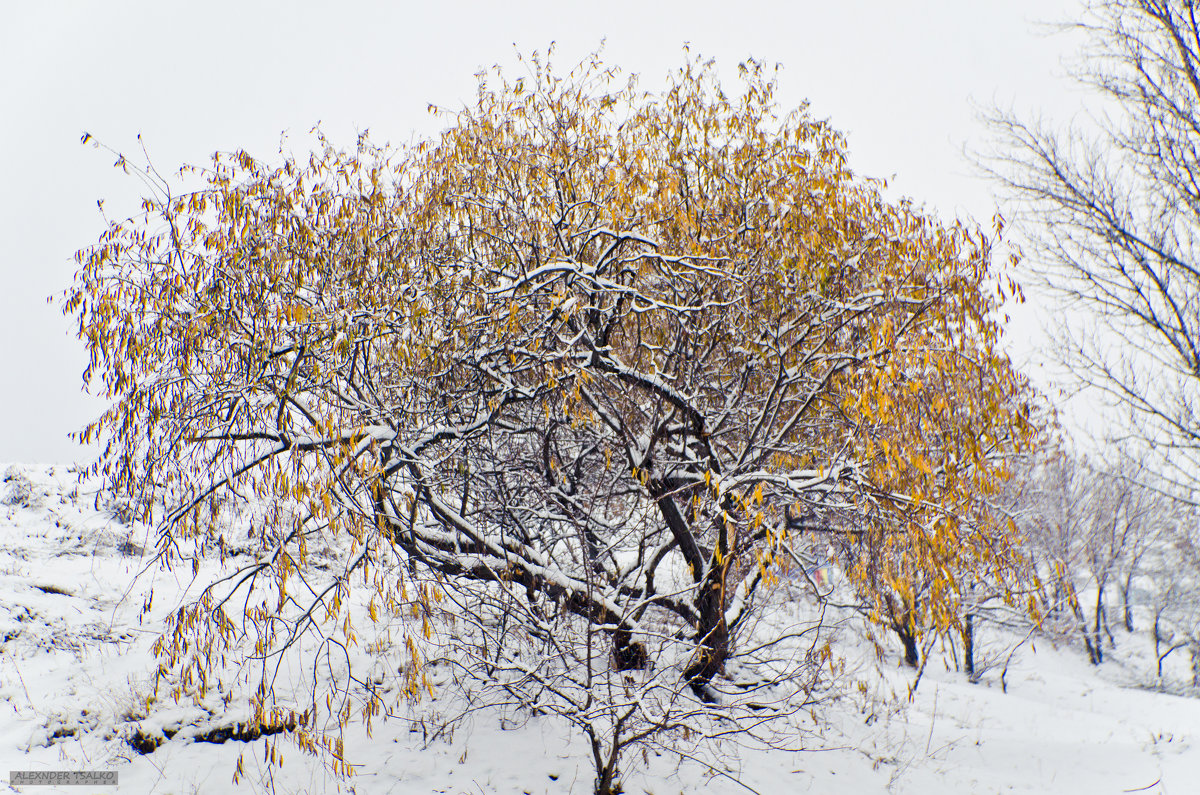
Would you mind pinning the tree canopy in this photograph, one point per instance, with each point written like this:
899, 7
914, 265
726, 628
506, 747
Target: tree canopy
588, 373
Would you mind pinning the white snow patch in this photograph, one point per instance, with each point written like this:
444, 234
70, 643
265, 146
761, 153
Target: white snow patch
75, 664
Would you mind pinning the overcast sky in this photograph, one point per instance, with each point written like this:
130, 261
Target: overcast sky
903, 80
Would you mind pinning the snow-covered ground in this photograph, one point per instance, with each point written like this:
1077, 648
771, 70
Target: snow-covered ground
75, 663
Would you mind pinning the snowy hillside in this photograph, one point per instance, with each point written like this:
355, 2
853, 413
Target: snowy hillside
75, 665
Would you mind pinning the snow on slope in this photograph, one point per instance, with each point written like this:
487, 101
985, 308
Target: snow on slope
74, 660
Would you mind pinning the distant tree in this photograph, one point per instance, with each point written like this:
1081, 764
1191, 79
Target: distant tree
1095, 527
1112, 210
592, 366
1172, 569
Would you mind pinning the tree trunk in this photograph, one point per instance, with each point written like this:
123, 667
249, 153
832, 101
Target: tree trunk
1125, 602
1158, 644
1093, 653
906, 631
969, 646
606, 782
606, 764
712, 637
712, 633
903, 623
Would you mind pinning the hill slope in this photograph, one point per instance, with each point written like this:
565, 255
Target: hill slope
75, 661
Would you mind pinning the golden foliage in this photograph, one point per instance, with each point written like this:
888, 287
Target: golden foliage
444, 351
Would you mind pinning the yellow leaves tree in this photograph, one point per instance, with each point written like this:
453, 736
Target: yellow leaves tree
586, 367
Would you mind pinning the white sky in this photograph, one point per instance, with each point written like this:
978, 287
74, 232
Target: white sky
904, 80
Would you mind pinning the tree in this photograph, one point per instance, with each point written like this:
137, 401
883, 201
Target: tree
1172, 574
590, 369
1094, 527
1111, 209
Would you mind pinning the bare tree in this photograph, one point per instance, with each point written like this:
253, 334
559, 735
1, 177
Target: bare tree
1095, 527
1172, 570
1112, 206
